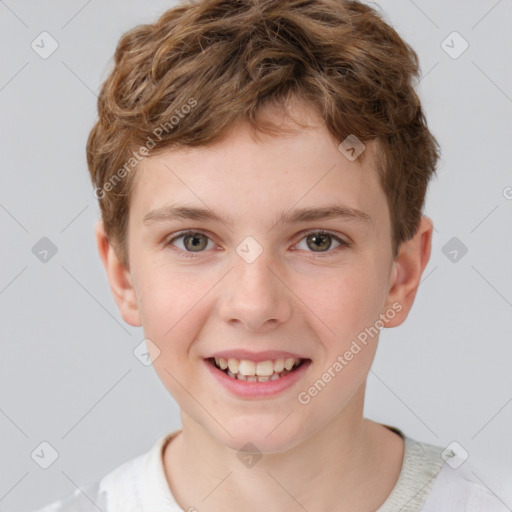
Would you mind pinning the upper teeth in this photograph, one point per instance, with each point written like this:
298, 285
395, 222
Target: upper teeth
261, 369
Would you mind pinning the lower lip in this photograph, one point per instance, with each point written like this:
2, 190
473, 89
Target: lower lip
267, 389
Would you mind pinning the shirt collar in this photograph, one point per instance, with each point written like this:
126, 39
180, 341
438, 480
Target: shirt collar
154, 491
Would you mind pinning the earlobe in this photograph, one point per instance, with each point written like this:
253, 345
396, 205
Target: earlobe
119, 278
407, 270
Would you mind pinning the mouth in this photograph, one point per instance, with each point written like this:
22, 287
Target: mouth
261, 371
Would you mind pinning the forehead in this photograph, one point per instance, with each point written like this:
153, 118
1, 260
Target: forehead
254, 176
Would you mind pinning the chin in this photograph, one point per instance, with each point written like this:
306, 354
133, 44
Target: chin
266, 436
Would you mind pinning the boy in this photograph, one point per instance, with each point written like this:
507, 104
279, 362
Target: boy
261, 169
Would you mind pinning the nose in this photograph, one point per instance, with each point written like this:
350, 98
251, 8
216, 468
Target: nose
255, 296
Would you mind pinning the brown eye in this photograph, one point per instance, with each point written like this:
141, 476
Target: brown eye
321, 241
192, 241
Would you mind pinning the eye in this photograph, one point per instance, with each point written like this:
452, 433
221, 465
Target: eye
321, 241
193, 241
317, 241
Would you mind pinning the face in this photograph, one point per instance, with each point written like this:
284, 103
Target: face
233, 253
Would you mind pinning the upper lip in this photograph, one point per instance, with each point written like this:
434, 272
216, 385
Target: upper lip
256, 356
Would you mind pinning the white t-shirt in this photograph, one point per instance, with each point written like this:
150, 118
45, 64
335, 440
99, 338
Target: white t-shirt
426, 483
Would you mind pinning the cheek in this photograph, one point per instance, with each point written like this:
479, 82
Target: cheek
173, 314
349, 305
346, 301
172, 309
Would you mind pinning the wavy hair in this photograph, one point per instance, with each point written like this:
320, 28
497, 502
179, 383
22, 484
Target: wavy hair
203, 66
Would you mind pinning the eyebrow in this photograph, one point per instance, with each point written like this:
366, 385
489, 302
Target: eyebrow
333, 211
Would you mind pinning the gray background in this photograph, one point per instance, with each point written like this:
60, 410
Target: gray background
68, 375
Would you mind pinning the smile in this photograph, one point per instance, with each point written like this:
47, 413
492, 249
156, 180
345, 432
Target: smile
251, 371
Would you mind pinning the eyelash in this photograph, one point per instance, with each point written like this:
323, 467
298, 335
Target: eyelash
320, 254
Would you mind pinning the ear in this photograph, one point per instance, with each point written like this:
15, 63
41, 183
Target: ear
119, 278
408, 266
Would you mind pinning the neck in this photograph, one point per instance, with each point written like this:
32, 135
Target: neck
331, 470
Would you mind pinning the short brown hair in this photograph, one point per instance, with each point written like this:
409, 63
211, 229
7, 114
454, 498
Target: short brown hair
225, 59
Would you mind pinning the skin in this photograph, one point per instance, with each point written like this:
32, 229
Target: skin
320, 456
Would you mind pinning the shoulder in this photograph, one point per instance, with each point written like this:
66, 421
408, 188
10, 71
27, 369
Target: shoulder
100, 495
85, 499
436, 479
119, 490
461, 489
